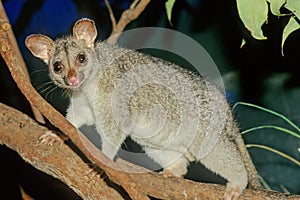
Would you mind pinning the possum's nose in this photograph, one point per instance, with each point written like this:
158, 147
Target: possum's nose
73, 81
72, 78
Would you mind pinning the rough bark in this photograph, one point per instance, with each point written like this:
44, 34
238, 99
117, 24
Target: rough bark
6, 26
22, 134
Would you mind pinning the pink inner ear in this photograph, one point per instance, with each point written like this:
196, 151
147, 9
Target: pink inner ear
39, 45
85, 30
44, 49
85, 35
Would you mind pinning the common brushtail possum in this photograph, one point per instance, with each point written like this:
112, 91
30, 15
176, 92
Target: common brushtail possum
175, 115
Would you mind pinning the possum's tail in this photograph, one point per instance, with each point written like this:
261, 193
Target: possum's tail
252, 173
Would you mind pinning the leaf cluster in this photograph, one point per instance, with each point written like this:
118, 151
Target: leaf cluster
254, 13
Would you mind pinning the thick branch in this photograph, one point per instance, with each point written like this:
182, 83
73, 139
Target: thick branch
13, 42
21, 133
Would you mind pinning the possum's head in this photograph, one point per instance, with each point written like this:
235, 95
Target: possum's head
70, 59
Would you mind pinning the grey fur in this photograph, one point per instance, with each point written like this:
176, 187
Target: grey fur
175, 115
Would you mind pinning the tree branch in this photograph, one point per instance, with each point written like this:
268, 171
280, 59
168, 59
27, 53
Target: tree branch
6, 26
111, 15
21, 133
135, 9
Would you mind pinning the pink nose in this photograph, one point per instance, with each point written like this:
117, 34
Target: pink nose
73, 81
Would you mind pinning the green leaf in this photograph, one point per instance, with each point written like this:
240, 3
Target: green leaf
268, 111
291, 26
275, 151
169, 6
294, 7
275, 6
243, 43
273, 127
253, 13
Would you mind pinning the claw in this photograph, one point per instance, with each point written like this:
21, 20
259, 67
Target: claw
232, 193
93, 172
49, 138
167, 174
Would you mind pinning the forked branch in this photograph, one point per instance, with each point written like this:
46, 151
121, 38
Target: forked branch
135, 9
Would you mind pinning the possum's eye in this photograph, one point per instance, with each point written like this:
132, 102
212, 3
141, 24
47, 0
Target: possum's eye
57, 67
81, 58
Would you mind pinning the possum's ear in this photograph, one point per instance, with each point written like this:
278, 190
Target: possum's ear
85, 29
39, 45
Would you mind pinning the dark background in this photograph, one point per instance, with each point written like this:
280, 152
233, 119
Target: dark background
256, 73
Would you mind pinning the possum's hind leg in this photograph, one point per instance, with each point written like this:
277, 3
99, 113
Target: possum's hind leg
173, 163
225, 160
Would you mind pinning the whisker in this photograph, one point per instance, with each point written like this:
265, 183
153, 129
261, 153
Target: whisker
53, 89
41, 86
38, 71
62, 91
125, 145
47, 90
66, 92
44, 90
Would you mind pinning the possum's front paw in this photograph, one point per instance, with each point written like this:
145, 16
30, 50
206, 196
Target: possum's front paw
232, 192
50, 138
167, 174
175, 171
178, 169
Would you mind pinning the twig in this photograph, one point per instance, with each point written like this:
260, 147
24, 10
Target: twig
111, 15
134, 3
135, 9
